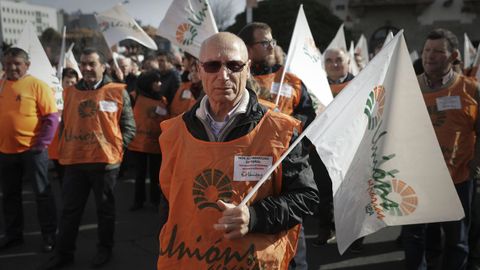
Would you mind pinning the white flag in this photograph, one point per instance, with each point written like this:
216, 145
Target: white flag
61, 59
378, 144
116, 25
387, 40
353, 67
414, 56
469, 52
71, 62
362, 49
187, 24
304, 60
40, 66
338, 42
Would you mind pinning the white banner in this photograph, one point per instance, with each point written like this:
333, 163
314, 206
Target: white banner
116, 25
40, 66
338, 42
469, 52
362, 49
304, 60
378, 144
353, 67
187, 24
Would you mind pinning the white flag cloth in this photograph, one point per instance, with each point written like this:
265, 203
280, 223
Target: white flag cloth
414, 56
353, 67
304, 60
378, 144
116, 25
61, 61
187, 24
469, 52
387, 40
40, 66
338, 42
362, 49
71, 62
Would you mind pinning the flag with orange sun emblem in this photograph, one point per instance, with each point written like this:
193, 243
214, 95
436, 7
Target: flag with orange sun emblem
187, 24
378, 144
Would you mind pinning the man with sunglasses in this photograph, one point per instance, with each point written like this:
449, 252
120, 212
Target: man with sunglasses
213, 155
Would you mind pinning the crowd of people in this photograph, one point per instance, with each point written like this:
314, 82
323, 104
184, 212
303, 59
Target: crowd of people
203, 131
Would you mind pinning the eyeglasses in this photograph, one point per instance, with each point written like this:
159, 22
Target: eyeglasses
214, 66
266, 43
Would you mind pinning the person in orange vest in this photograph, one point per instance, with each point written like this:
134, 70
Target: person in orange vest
188, 93
295, 100
69, 78
29, 118
452, 103
336, 66
213, 155
149, 111
97, 125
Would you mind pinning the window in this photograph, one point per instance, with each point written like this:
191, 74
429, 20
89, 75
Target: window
340, 7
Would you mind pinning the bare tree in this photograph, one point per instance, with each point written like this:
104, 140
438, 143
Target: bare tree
224, 13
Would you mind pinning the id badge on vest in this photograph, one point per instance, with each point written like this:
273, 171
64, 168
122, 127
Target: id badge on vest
187, 94
108, 106
448, 103
160, 111
250, 168
286, 90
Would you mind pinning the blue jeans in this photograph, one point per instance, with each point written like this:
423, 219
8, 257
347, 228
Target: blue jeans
299, 262
421, 240
31, 166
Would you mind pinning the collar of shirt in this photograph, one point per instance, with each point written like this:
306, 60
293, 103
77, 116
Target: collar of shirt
261, 69
445, 79
216, 127
339, 81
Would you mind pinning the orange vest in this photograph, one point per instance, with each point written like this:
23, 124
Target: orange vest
455, 128
148, 113
91, 132
183, 100
337, 88
195, 174
285, 104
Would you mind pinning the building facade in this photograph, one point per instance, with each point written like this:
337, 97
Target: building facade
15, 13
375, 18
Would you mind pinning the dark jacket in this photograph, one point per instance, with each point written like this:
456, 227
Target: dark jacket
299, 192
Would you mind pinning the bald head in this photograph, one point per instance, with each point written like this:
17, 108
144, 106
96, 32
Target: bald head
221, 43
223, 69
336, 63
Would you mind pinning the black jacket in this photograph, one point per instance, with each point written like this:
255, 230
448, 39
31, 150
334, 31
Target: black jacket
299, 192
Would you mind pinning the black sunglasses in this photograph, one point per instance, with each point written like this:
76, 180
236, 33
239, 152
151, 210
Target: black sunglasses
214, 66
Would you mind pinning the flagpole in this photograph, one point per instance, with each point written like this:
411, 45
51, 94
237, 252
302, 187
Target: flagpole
61, 61
288, 61
271, 169
275, 165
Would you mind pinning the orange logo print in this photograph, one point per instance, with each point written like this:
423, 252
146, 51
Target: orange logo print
209, 187
374, 106
185, 34
406, 196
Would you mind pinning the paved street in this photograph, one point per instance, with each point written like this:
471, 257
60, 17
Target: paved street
136, 246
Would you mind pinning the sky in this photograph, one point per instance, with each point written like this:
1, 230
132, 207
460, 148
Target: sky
147, 11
